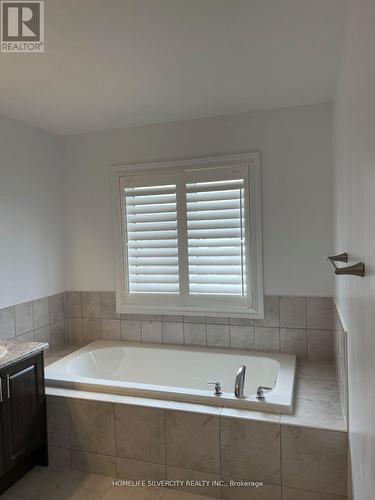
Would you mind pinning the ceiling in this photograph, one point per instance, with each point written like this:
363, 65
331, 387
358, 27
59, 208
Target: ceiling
117, 63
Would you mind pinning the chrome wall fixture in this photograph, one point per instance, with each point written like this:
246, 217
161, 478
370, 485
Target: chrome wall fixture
354, 270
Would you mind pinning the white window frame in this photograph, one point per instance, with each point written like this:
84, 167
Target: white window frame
254, 307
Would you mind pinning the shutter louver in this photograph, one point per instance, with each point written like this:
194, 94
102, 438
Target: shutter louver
215, 222
152, 246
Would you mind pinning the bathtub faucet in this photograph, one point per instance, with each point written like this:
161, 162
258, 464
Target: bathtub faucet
240, 382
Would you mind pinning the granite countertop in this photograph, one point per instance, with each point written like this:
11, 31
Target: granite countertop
16, 351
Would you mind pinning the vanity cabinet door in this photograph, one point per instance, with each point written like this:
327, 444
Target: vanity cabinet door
22, 410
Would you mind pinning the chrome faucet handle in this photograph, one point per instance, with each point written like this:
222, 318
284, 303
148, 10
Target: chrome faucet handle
260, 395
217, 389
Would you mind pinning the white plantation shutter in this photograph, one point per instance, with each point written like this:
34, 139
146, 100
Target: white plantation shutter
152, 247
216, 237
185, 238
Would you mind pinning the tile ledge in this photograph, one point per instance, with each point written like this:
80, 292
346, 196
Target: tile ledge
322, 370
52, 356
192, 408
225, 412
311, 426
300, 420
133, 401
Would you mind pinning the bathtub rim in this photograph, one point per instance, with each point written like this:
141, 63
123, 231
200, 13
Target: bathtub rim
280, 400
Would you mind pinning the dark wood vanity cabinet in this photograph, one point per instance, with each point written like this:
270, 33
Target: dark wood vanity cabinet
23, 427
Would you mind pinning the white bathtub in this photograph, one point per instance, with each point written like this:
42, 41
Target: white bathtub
178, 373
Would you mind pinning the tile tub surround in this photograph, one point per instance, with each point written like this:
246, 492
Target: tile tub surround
41, 320
131, 438
294, 325
317, 402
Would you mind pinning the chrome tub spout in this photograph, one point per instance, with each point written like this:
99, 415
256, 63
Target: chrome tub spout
240, 382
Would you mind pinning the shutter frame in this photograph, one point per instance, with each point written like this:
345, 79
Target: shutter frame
254, 303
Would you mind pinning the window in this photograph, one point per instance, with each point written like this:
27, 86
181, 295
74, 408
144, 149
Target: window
188, 237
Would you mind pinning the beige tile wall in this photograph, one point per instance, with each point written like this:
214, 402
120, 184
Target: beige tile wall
297, 325
38, 320
131, 442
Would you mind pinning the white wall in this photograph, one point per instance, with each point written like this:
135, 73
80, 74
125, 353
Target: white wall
297, 190
355, 232
31, 248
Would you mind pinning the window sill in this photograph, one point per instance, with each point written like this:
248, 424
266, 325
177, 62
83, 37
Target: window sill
232, 312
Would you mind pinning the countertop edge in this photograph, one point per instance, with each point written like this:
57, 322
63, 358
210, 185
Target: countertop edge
17, 351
